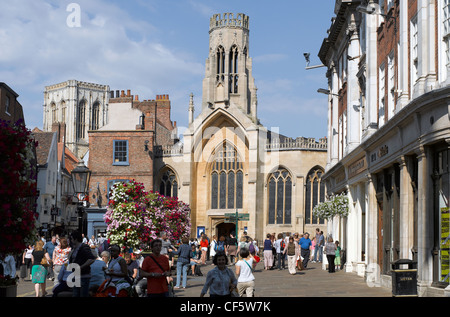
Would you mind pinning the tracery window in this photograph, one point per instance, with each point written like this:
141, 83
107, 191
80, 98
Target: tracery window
81, 113
95, 116
233, 69
227, 178
280, 197
314, 194
220, 63
168, 185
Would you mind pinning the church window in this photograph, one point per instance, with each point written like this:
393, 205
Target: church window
81, 113
95, 116
280, 197
233, 69
314, 194
220, 63
54, 113
227, 179
168, 185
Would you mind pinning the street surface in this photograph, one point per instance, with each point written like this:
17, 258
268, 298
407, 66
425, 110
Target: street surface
312, 282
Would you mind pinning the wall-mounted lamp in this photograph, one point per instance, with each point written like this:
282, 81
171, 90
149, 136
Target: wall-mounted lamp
326, 92
373, 8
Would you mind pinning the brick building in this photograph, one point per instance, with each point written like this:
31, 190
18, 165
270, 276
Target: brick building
10, 108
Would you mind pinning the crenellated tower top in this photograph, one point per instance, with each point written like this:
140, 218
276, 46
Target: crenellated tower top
228, 20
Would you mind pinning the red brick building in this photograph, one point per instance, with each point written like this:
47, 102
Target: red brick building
10, 108
124, 149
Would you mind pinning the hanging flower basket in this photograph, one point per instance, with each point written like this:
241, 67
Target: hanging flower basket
337, 205
135, 216
18, 174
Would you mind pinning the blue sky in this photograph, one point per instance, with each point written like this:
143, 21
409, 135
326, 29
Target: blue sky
160, 47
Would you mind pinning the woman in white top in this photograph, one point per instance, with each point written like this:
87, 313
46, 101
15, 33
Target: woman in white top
246, 280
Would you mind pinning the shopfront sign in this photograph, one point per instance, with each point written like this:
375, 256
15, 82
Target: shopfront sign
357, 167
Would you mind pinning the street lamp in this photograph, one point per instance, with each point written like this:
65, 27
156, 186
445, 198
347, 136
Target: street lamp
80, 179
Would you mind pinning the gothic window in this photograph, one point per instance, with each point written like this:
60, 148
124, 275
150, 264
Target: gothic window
54, 113
280, 197
81, 113
227, 178
95, 116
233, 69
168, 185
220, 63
315, 194
63, 112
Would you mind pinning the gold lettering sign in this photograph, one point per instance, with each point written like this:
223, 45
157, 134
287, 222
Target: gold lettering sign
357, 167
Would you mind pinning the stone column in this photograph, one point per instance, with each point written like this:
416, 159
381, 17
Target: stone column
425, 221
406, 211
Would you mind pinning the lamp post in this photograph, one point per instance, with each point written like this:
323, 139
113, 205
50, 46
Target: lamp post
80, 179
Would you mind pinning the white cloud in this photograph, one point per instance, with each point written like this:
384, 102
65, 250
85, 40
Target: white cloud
38, 48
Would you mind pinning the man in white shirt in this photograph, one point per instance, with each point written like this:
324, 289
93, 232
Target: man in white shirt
9, 265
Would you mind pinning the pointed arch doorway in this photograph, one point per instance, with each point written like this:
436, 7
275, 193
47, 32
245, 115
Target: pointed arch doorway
224, 229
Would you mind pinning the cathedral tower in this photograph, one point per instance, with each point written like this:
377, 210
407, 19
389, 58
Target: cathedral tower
228, 80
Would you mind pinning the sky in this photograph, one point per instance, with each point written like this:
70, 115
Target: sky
155, 47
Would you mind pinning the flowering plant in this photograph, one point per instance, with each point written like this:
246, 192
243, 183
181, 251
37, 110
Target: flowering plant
18, 174
136, 217
337, 205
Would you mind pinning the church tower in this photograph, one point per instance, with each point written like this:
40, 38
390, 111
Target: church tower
228, 80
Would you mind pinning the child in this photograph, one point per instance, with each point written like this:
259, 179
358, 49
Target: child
337, 259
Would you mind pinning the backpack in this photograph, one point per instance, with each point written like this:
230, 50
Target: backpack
220, 246
251, 248
282, 245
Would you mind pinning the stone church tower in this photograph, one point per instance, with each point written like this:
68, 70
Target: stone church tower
228, 79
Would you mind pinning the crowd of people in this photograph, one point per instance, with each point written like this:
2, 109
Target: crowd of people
109, 270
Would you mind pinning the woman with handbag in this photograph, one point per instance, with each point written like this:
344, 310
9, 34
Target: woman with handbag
220, 281
40, 260
244, 269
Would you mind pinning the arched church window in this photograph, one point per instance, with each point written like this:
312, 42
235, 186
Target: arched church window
233, 69
168, 185
314, 194
54, 113
95, 116
227, 178
81, 114
220, 63
280, 197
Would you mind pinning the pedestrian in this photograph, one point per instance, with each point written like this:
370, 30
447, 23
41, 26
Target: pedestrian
244, 271
132, 268
231, 248
321, 244
337, 259
316, 250
220, 245
26, 260
156, 269
8, 264
185, 255
60, 257
313, 249
82, 256
194, 261
49, 247
220, 281
203, 248
292, 251
39, 268
280, 248
98, 275
61, 284
140, 284
305, 244
212, 249
243, 244
330, 251
268, 255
